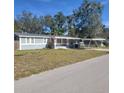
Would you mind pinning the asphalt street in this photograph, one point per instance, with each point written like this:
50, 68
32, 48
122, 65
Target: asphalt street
90, 76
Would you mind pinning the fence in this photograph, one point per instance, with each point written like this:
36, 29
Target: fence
16, 45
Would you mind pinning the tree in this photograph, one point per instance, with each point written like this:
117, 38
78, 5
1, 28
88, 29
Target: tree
16, 25
71, 25
25, 21
88, 18
84, 22
104, 33
49, 23
36, 25
59, 21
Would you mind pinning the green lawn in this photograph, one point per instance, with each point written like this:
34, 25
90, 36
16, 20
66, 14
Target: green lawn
30, 62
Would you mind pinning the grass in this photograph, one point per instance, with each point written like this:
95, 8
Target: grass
28, 62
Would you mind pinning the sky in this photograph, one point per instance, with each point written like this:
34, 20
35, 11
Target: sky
44, 7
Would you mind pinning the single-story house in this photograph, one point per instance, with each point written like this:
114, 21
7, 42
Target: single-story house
31, 41
26, 41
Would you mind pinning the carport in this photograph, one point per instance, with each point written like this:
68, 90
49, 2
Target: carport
93, 42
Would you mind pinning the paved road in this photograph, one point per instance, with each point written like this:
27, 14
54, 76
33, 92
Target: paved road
91, 76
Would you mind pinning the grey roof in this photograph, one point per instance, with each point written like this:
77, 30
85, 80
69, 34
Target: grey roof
44, 36
25, 33
52, 36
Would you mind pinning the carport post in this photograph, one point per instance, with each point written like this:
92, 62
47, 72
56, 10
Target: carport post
67, 42
89, 43
101, 43
55, 43
96, 43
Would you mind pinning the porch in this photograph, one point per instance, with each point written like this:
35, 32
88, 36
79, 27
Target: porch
66, 42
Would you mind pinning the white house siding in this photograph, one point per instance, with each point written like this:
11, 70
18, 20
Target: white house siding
28, 47
27, 43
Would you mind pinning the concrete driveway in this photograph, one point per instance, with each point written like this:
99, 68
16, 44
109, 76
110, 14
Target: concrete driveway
91, 76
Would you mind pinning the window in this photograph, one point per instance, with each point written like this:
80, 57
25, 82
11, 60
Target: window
58, 40
32, 40
38, 40
23, 40
28, 40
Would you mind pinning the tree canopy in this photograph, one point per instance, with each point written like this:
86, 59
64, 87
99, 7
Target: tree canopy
85, 21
